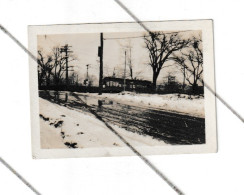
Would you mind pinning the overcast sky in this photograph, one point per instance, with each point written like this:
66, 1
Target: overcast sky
85, 49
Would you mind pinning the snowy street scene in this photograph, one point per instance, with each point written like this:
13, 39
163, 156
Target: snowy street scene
147, 87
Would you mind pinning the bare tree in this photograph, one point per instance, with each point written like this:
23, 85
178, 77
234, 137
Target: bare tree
44, 68
127, 46
160, 47
52, 66
129, 60
191, 63
59, 64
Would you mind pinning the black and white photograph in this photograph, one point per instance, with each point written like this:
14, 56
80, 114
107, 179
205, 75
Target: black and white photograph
98, 84
121, 97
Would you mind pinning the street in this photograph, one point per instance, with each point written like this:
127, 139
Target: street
172, 128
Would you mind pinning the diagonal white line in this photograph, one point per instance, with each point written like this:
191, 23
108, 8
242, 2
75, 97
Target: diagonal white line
206, 85
145, 160
17, 42
19, 176
130, 146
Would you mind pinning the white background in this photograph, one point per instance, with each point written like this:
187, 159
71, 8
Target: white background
201, 174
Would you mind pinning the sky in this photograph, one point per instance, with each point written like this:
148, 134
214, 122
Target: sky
85, 50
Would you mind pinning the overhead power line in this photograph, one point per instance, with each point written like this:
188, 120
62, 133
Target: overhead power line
136, 37
126, 37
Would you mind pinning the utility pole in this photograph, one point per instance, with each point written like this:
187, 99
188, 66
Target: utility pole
66, 50
87, 66
131, 70
125, 72
100, 54
113, 73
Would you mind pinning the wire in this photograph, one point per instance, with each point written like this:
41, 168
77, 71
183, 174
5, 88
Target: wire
125, 37
135, 37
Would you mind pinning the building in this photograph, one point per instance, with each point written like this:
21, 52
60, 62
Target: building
112, 84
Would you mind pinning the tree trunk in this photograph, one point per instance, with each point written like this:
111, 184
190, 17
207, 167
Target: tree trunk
48, 79
154, 84
194, 88
55, 75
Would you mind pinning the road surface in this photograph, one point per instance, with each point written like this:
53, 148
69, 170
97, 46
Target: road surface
172, 128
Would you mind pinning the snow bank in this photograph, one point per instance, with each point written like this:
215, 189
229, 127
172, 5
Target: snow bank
190, 105
61, 127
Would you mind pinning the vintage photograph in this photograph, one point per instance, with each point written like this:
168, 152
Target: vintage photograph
148, 87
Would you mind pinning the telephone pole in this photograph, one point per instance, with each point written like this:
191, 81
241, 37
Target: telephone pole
125, 72
66, 50
87, 66
131, 70
100, 54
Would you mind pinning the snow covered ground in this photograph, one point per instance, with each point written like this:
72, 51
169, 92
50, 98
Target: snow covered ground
61, 127
190, 105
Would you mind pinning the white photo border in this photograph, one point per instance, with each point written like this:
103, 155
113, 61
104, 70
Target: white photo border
206, 26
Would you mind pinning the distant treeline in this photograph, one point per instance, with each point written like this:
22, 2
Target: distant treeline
166, 89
